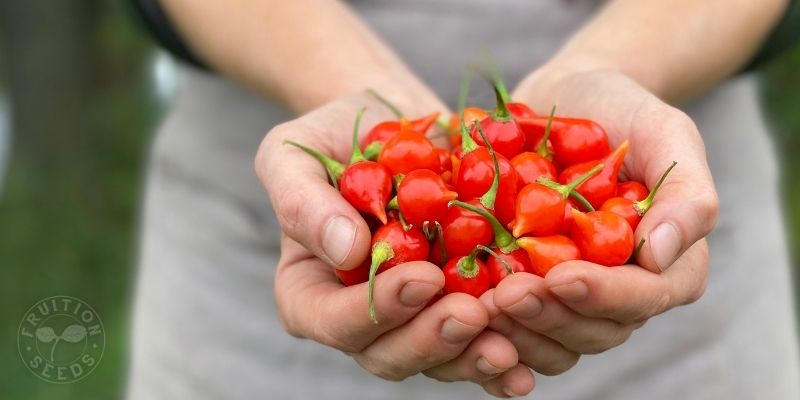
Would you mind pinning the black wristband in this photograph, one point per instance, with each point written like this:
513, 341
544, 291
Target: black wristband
161, 28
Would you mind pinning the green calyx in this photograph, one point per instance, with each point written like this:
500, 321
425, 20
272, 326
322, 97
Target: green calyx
334, 168
641, 207
502, 237
542, 150
467, 266
358, 155
488, 199
381, 252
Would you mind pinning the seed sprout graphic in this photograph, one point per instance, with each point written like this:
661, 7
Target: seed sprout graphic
71, 334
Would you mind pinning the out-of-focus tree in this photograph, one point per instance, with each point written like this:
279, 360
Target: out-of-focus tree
81, 111
780, 86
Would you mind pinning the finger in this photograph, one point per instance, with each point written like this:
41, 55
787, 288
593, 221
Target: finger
685, 209
298, 185
515, 382
526, 298
544, 355
489, 355
312, 304
630, 294
438, 334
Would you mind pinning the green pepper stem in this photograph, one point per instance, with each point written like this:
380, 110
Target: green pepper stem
488, 199
568, 190
502, 237
641, 207
393, 108
358, 155
542, 150
393, 204
381, 252
467, 143
498, 258
334, 168
373, 150
440, 240
638, 249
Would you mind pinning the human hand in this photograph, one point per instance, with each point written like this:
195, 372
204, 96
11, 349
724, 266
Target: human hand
446, 340
584, 308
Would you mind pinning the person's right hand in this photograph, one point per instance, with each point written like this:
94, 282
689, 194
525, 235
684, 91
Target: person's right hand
446, 340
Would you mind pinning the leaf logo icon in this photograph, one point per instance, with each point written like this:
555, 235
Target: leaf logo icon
73, 333
46, 334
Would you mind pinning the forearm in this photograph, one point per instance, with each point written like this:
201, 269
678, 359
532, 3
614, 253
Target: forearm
676, 49
303, 53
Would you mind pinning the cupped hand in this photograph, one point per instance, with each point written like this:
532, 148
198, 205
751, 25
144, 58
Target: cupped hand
445, 340
585, 308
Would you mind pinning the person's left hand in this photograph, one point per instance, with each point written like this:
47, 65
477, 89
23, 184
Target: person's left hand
585, 308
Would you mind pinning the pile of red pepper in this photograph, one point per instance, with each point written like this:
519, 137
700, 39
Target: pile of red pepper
544, 190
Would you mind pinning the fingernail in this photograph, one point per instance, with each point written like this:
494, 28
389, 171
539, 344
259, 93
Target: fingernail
487, 368
509, 392
415, 294
529, 307
575, 291
337, 238
455, 331
665, 243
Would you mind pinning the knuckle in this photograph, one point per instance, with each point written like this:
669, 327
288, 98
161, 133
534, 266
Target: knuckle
707, 205
697, 291
271, 141
288, 208
616, 338
559, 365
331, 338
388, 372
657, 305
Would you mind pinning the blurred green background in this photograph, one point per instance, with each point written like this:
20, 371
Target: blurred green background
82, 78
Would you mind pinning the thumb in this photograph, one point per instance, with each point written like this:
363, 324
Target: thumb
309, 209
685, 209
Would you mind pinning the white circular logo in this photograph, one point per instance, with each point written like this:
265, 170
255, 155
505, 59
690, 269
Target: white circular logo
61, 339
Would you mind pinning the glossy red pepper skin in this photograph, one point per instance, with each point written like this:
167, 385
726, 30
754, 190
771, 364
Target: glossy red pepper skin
602, 186
632, 190
504, 136
602, 237
539, 211
517, 260
548, 251
407, 245
520, 110
456, 282
624, 208
423, 196
359, 274
386, 130
530, 166
367, 186
475, 175
464, 230
574, 140
408, 151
